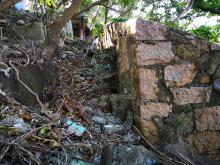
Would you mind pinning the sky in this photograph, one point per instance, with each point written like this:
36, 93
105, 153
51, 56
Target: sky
204, 21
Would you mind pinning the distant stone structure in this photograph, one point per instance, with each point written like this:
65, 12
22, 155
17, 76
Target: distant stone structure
173, 77
80, 28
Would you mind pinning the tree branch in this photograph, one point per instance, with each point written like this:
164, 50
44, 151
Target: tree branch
185, 11
89, 7
109, 7
7, 3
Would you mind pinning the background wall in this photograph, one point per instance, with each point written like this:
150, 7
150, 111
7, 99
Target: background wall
174, 80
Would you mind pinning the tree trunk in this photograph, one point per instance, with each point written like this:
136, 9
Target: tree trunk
106, 13
7, 3
56, 27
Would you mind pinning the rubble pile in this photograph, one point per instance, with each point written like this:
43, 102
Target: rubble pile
67, 111
69, 121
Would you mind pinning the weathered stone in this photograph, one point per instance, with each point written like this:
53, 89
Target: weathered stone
184, 123
128, 155
20, 22
201, 45
216, 84
147, 30
215, 46
147, 112
113, 120
213, 64
98, 119
207, 118
179, 75
131, 138
149, 130
151, 110
104, 101
160, 53
205, 142
34, 31
187, 52
35, 77
148, 83
191, 95
121, 104
3, 21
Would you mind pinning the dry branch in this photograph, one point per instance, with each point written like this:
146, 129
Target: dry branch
163, 155
31, 91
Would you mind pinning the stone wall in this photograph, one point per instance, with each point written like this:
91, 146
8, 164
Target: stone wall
173, 78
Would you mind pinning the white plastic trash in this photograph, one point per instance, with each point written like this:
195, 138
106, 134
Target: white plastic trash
74, 128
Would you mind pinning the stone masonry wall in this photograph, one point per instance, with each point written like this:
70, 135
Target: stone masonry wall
174, 80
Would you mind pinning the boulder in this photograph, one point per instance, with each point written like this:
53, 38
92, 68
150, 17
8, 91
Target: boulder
34, 31
129, 155
35, 77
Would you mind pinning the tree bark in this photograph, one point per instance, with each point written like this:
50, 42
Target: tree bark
56, 27
7, 3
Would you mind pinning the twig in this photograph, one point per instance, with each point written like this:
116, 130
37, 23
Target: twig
4, 152
32, 157
156, 150
28, 58
19, 34
66, 157
8, 99
32, 92
34, 52
109, 7
184, 158
21, 138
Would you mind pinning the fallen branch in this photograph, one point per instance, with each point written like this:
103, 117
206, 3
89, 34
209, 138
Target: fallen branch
24, 136
22, 51
32, 92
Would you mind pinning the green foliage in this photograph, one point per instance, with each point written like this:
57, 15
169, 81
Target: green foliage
48, 3
208, 32
212, 6
98, 29
85, 3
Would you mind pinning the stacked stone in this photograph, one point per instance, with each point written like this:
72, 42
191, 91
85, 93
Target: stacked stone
170, 75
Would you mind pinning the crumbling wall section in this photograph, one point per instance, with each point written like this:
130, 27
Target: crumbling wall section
173, 77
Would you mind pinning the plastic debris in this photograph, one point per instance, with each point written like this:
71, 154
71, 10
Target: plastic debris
74, 128
109, 129
15, 122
